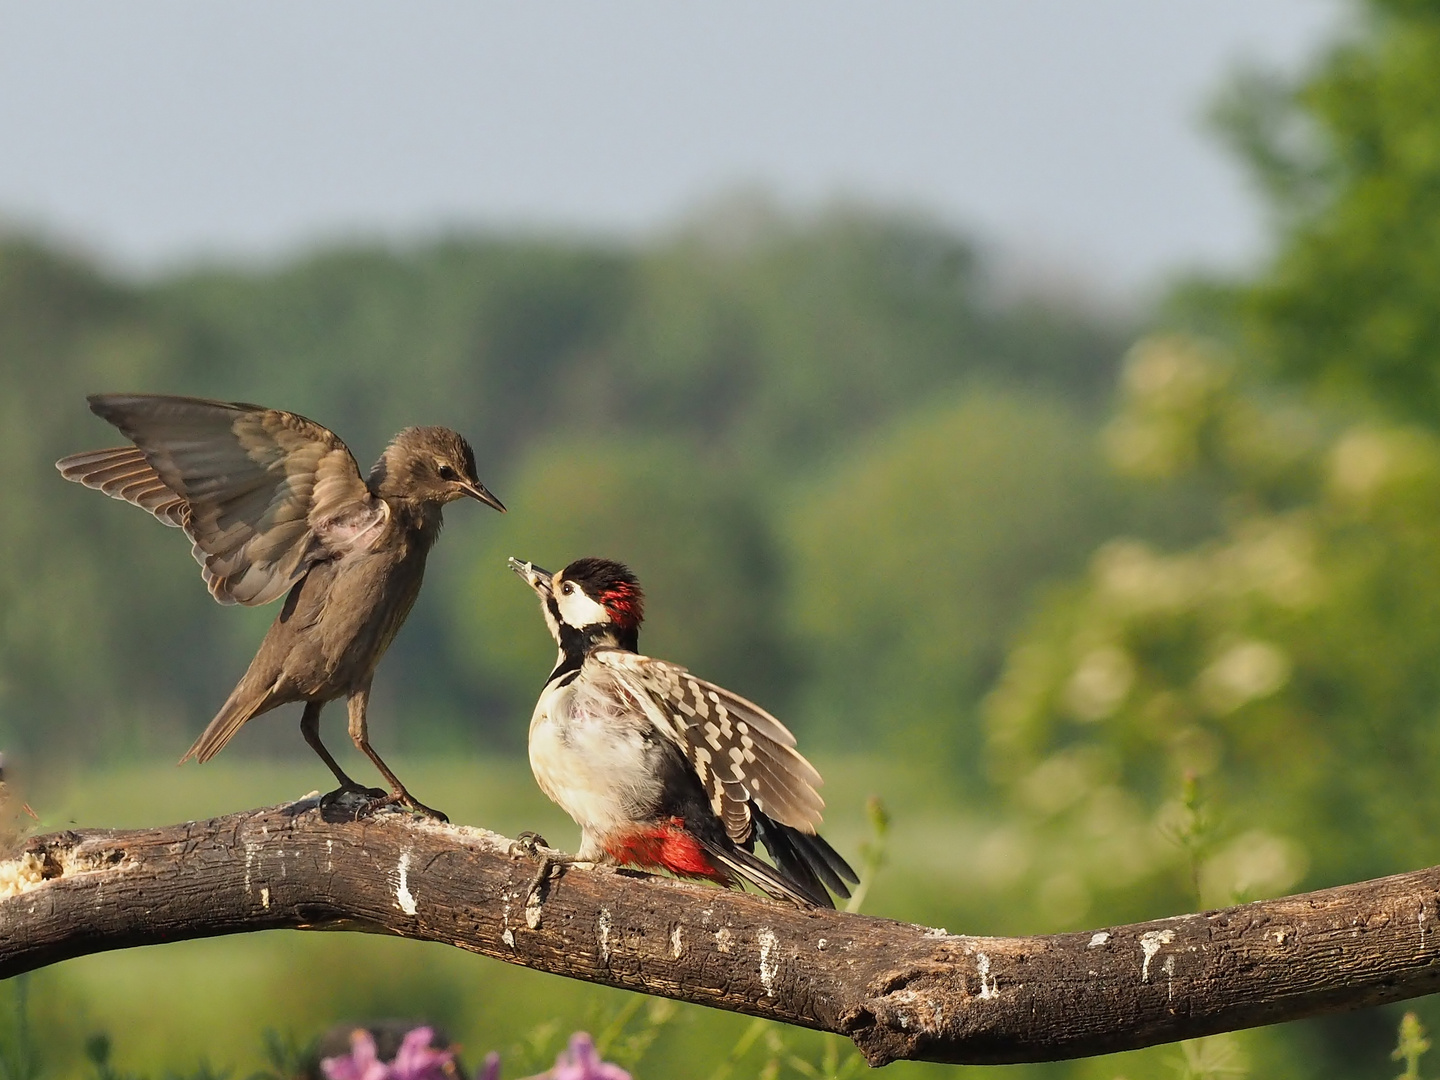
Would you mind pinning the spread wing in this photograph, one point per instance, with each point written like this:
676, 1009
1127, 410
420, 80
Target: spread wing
743, 756
263, 494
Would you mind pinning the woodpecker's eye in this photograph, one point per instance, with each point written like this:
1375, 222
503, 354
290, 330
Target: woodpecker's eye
568, 588
447, 473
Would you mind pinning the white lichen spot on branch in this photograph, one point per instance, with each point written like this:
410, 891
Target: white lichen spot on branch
769, 960
404, 898
989, 984
1150, 943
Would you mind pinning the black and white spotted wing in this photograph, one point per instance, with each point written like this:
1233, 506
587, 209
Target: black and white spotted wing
743, 756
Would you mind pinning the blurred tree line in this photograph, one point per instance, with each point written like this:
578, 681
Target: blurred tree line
839, 456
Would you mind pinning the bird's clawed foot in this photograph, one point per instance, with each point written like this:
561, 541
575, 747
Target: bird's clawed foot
528, 844
348, 801
532, 845
346, 792
400, 798
355, 802
411, 803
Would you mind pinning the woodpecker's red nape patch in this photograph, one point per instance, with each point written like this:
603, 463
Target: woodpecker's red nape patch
669, 847
626, 603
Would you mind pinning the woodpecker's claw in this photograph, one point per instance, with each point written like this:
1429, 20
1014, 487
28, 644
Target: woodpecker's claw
528, 844
533, 846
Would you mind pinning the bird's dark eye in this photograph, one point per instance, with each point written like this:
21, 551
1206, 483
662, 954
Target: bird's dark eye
567, 588
447, 473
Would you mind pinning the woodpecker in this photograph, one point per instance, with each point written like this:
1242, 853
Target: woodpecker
274, 505
659, 768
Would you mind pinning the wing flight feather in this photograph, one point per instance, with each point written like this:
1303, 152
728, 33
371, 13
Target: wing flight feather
263, 494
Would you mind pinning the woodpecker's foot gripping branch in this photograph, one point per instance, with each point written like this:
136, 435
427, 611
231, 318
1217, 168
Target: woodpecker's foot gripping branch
534, 846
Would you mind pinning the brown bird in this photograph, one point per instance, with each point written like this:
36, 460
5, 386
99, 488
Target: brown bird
275, 504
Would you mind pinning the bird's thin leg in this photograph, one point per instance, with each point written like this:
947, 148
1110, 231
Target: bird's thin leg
310, 728
359, 735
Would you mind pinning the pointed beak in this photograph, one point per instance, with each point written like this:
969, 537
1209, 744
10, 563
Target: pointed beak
537, 579
478, 490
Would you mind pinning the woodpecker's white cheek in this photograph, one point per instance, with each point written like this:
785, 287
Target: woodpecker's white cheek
577, 609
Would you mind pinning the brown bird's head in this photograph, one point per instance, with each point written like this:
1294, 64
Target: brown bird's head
429, 465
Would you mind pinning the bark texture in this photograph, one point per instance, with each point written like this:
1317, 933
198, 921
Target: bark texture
899, 991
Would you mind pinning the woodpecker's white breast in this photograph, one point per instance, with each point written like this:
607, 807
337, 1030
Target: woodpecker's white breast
593, 756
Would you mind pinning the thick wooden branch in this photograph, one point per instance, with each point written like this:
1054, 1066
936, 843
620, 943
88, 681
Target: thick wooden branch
898, 990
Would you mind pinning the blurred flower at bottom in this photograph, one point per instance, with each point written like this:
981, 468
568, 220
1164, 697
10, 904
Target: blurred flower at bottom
416, 1059
419, 1058
580, 1062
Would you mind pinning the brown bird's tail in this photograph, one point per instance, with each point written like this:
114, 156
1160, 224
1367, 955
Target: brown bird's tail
240, 707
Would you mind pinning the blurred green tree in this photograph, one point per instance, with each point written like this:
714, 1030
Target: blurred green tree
1261, 710
1349, 155
915, 558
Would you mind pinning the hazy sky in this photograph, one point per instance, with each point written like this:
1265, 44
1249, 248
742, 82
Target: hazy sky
1067, 129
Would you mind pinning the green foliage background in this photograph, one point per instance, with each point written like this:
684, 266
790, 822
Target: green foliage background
1119, 615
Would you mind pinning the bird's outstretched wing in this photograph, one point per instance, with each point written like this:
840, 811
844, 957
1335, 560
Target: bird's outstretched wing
744, 757
263, 494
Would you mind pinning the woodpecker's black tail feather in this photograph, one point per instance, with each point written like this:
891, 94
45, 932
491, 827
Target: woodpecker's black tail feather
805, 858
776, 883
832, 869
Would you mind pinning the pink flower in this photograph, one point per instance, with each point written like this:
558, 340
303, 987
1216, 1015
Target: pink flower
360, 1064
582, 1062
415, 1060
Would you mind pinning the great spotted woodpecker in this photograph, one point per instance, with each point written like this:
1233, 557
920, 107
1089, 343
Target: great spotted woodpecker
659, 768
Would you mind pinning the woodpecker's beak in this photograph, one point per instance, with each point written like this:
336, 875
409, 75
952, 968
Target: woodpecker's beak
537, 579
478, 490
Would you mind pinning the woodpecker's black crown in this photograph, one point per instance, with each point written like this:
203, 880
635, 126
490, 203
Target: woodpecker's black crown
610, 584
